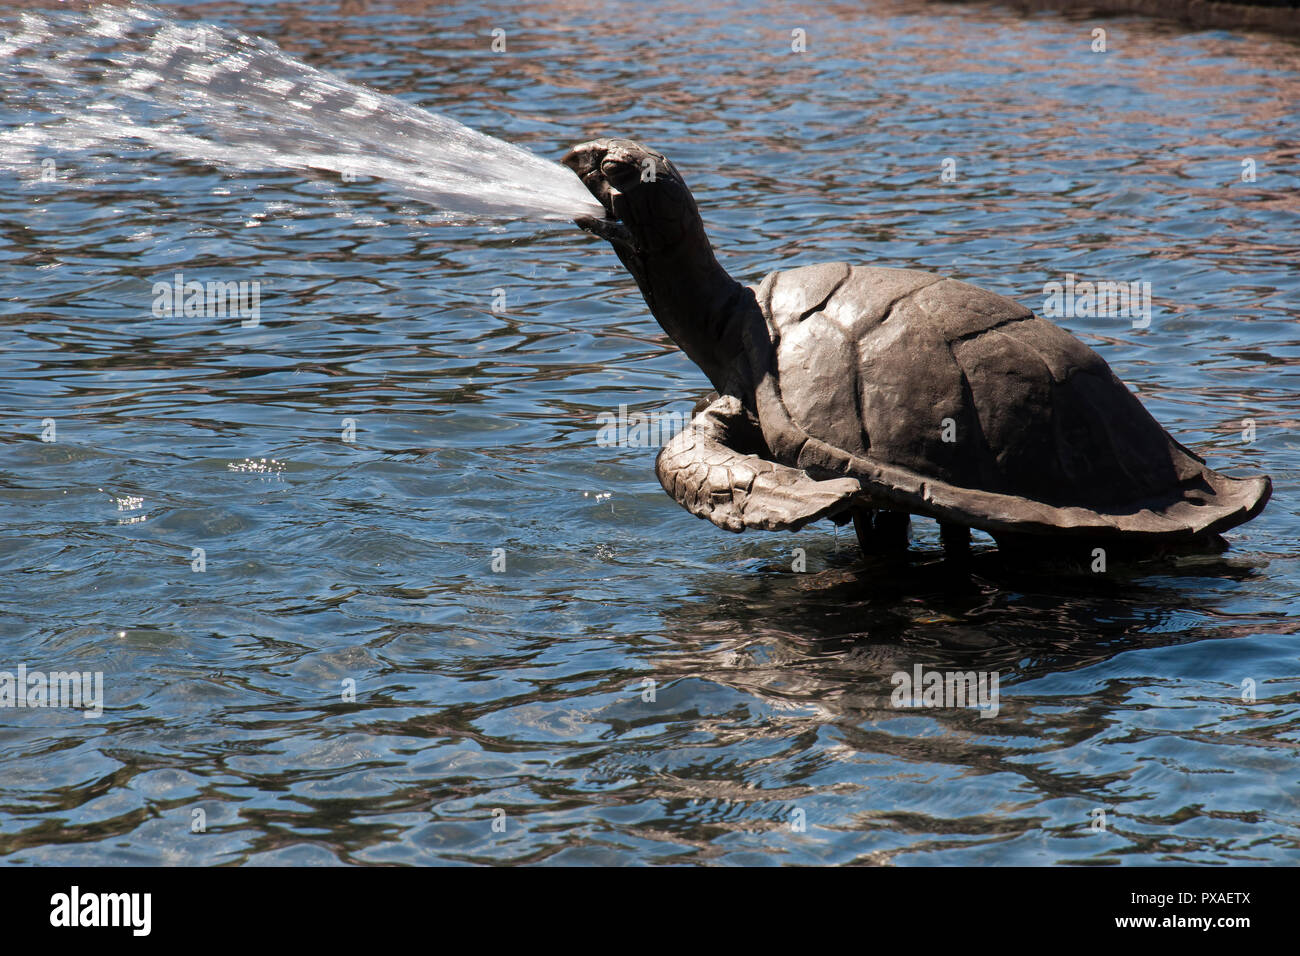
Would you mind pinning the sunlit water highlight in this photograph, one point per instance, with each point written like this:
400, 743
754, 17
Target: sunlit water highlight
115, 77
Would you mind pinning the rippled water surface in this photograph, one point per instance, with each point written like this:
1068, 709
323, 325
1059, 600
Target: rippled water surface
473, 362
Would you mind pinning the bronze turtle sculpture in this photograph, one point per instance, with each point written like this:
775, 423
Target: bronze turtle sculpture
850, 391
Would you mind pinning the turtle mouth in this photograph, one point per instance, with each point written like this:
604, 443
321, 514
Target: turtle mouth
605, 194
611, 230
585, 162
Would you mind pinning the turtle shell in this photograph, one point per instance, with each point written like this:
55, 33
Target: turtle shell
948, 400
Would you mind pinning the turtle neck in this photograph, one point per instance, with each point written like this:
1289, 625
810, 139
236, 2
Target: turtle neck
701, 307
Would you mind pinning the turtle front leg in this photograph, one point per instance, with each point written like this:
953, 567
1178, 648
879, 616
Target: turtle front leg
711, 474
955, 539
881, 532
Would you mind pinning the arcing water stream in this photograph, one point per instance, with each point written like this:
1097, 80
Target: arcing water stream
112, 76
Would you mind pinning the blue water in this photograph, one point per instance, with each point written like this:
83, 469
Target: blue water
520, 697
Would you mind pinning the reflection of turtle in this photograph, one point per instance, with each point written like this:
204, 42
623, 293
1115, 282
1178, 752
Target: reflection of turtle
880, 393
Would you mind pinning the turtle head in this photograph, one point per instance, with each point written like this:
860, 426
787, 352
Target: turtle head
656, 231
647, 204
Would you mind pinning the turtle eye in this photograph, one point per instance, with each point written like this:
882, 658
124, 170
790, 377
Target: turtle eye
619, 170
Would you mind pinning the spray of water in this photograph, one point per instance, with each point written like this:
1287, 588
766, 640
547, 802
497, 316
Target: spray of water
111, 76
